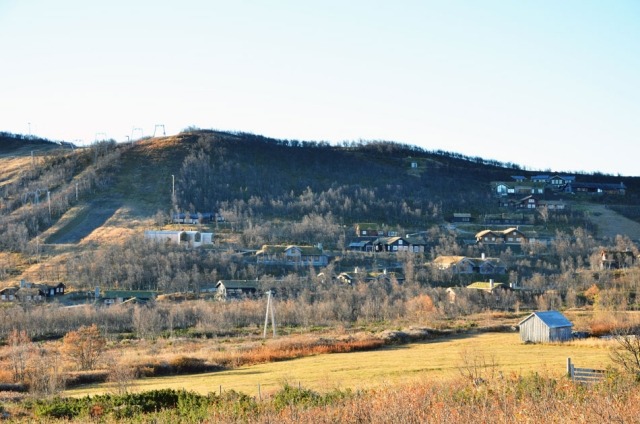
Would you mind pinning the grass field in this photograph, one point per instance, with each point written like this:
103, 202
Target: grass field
436, 359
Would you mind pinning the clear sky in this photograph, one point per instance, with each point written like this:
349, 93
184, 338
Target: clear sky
546, 84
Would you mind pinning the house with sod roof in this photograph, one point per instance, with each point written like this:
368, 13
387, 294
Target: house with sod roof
508, 236
292, 255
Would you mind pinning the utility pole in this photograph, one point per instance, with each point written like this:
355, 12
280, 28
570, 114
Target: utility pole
49, 202
266, 317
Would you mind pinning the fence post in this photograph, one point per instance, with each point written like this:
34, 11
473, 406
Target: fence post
569, 368
259, 393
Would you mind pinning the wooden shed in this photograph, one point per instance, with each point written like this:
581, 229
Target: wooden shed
547, 326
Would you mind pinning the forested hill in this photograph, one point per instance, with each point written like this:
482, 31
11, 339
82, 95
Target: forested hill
258, 177
246, 177
267, 178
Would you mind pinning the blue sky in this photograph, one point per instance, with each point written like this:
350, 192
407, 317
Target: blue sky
545, 84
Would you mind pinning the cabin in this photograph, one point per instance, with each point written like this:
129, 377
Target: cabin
540, 178
552, 205
597, 188
503, 188
508, 236
368, 229
114, 297
186, 238
30, 294
508, 218
560, 182
365, 245
457, 264
51, 290
383, 277
487, 286
347, 278
28, 291
292, 255
461, 217
48, 290
466, 265
616, 259
391, 244
235, 289
544, 327
528, 202
417, 244
8, 294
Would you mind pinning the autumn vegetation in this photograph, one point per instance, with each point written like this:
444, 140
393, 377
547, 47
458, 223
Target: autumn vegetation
77, 215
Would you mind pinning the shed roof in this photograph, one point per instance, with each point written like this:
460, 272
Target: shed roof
238, 284
368, 226
448, 260
359, 243
388, 240
140, 294
553, 319
483, 285
306, 250
462, 215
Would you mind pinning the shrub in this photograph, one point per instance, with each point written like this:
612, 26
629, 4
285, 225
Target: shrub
59, 408
295, 396
86, 377
192, 406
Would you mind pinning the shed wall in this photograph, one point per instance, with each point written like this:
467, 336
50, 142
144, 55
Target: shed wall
535, 330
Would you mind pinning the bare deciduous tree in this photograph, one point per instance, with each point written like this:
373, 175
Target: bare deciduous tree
627, 351
84, 345
19, 349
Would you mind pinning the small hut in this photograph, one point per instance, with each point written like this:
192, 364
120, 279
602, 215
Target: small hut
547, 326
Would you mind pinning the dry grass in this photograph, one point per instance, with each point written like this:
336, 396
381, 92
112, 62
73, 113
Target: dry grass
11, 168
439, 360
600, 323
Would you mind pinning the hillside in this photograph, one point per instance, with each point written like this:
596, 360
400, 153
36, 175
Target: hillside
268, 191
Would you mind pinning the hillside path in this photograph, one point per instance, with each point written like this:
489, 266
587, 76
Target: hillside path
610, 223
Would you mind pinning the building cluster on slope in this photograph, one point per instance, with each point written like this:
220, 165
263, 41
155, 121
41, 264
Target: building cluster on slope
539, 184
